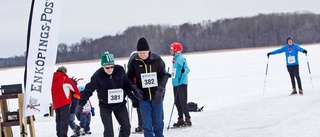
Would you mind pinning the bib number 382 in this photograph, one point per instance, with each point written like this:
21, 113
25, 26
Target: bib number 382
115, 96
149, 80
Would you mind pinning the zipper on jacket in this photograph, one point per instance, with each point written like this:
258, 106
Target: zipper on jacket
111, 81
146, 70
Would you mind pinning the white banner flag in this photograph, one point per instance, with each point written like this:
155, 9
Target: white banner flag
41, 55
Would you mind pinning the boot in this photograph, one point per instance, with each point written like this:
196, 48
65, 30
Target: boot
179, 123
78, 131
82, 132
88, 132
188, 122
74, 135
300, 91
294, 91
138, 129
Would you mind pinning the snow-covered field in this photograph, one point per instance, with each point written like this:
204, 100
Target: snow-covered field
230, 86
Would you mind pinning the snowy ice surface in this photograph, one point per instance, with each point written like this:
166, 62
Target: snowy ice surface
239, 99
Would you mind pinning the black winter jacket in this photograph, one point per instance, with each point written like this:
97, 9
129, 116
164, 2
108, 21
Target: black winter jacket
102, 82
138, 66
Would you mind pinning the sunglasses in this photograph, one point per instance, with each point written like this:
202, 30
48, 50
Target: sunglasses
109, 67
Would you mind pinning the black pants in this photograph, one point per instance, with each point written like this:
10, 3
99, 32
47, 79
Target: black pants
122, 117
294, 73
181, 100
62, 120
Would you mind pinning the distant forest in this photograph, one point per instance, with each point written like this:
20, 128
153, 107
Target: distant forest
243, 32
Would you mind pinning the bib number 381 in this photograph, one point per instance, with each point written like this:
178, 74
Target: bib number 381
115, 96
149, 80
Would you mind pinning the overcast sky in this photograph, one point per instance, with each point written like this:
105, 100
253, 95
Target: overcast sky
97, 18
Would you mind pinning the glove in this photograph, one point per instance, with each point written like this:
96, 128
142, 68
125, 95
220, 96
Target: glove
79, 112
305, 51
268, 54
92, 111
74, 80
135, 101
158, 95
182, 70
137, 92
168, 74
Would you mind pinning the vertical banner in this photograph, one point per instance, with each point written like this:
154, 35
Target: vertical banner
42, 44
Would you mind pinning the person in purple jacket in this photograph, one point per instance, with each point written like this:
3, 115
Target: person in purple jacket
291, 52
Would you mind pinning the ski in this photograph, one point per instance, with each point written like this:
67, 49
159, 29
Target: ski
180, 127
137, 132
295, 94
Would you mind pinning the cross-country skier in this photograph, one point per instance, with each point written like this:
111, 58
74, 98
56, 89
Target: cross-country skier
179, 77
291, 51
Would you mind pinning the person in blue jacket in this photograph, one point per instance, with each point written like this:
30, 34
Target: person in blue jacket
291, 50
179, 77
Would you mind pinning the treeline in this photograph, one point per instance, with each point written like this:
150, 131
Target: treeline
243, 32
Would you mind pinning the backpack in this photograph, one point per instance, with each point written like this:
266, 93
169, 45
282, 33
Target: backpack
193, 107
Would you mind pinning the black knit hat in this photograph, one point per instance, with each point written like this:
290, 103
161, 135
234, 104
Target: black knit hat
288, 38
142, 45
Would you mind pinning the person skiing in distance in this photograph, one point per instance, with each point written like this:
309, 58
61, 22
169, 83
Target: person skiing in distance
291, 50
179, 77
112, 86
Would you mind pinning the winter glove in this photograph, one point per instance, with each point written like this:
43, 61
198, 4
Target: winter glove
92, 111
168, 74
74, 80
79, 112
158, 95
305, 52
137, 92
135, 101
182, 70
268, 54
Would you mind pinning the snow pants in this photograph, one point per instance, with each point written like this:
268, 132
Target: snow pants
181, 100
85, 120
62, 120
121, 114
294, 73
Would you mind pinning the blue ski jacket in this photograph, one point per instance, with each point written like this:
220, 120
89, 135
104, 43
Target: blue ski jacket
179, 78
291, 53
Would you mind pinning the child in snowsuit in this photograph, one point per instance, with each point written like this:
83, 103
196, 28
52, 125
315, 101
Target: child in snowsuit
85, 118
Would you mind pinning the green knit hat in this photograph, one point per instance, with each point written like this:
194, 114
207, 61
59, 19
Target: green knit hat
107, 59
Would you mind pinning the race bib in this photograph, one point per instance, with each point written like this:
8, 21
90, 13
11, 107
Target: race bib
115, 96
291, 59
173, 75
149, 80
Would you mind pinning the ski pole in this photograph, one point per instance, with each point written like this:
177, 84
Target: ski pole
265, 78
131, 115
174, 99
310, 73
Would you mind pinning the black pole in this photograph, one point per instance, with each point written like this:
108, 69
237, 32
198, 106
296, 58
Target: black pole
174, 99
265, 78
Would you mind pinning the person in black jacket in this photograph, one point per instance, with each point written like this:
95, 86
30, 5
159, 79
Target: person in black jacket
151, 78
139, 128
112, 87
